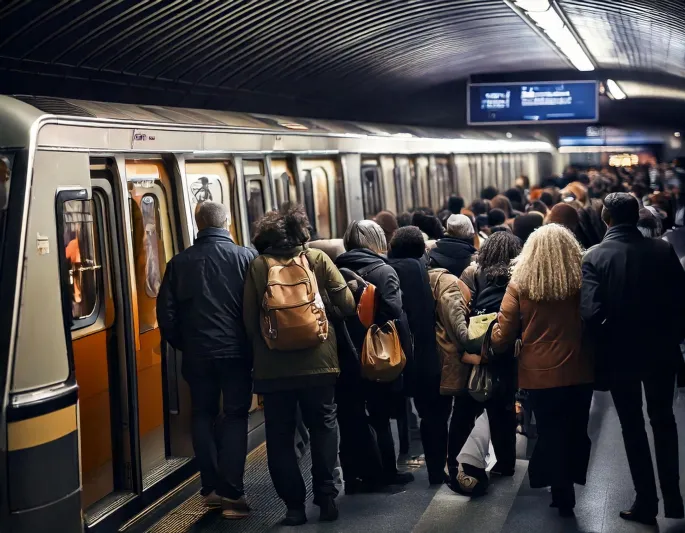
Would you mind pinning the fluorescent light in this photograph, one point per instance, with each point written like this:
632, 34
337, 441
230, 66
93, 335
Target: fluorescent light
615, 90
543, 14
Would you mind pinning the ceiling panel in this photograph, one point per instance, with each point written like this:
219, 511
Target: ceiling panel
632, 34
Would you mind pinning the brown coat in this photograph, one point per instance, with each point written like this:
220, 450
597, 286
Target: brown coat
552, 352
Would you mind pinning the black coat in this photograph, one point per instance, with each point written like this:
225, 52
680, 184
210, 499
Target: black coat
200, 302
453, 254
387, 284
419, 305
633, 303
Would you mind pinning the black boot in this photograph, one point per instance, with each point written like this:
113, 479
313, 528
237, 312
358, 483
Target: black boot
329, 510
294, 517
673, 507
640, 514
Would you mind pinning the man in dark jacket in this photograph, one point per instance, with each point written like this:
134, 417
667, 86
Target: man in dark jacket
200, 312
455, 251
632, 301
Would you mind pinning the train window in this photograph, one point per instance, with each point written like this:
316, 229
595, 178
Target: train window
341, 203
211, 181
285, 187
371, 191
444, 181
255, 202
151, 242
399, 190
5, 171
317, 202
83, 261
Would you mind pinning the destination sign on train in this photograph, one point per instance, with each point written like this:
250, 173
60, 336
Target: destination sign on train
521, 103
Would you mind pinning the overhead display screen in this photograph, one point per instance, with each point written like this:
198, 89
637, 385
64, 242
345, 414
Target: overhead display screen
522, 103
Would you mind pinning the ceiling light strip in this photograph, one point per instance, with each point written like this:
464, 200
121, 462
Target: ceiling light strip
548, 21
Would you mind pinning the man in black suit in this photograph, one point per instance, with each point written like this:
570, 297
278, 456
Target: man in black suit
633, 301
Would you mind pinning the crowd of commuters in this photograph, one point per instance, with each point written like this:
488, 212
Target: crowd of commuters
583, 277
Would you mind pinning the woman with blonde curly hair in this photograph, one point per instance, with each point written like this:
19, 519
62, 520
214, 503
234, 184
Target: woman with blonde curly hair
542, 306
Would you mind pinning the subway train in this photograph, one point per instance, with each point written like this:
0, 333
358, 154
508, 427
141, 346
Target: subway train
95, 198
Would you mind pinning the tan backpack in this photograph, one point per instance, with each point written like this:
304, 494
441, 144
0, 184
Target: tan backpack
293, 315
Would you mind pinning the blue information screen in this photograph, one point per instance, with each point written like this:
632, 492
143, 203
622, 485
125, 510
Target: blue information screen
522, 103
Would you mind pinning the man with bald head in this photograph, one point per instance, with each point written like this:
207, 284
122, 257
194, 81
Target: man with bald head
200, 313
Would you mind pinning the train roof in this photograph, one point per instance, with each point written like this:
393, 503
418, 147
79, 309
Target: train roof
152, 115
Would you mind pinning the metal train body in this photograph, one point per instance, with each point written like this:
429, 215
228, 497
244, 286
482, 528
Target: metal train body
94, 200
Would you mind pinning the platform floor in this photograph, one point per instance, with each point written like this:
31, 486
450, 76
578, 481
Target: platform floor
510, 507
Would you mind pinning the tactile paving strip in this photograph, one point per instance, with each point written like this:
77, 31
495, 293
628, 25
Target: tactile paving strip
267, 508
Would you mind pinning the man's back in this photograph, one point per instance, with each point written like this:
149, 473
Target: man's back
636, 306
200, 306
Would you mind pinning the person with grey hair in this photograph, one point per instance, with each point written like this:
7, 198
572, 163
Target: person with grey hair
455, 251
199, 311
365, 245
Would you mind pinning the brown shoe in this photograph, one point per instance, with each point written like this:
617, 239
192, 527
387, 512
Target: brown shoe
234, 509
212, 500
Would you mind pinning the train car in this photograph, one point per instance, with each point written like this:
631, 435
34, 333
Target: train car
95, 198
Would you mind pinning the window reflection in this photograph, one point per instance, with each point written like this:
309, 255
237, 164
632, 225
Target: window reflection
81, 254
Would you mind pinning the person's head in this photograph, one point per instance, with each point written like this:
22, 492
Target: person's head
564, 214
488, 193
460, 227
501, 227
523, 183
496, 217
649, 223
515, 197
455, 204
502, 202
211, 215
525, 225
577, 190
480, 207
549, 267
407, 242
404, 219
538, 207
620, 208
547, 198
282, 228
430, 225
496, 254
443, 216
365, 234
387, 221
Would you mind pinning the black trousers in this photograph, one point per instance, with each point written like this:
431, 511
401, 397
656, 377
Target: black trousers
360, 457
379, 404
562, 452
434, 410
220, 450
659, 392
317, 405
502, 417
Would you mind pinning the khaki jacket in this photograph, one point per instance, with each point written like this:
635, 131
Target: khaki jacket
552, 351
280, 370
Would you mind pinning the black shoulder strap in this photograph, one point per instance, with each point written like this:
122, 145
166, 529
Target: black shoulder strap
365, 271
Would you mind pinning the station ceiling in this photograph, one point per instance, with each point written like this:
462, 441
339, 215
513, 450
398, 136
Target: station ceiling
381, 60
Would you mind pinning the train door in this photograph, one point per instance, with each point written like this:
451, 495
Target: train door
254, 174
324, 198
406, 185
372, 193
424, 193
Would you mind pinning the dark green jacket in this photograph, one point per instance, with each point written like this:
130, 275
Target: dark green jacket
278, 370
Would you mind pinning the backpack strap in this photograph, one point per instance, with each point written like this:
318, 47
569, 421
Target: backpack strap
365, 271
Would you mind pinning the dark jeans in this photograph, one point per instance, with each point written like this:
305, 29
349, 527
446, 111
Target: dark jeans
220, 451
502, 417
562, 452
628, 401
434, 410
379, 404
360, 457
317, 405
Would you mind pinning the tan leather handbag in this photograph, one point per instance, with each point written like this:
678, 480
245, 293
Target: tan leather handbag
382, 357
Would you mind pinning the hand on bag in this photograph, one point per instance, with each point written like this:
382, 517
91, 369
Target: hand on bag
471, 359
